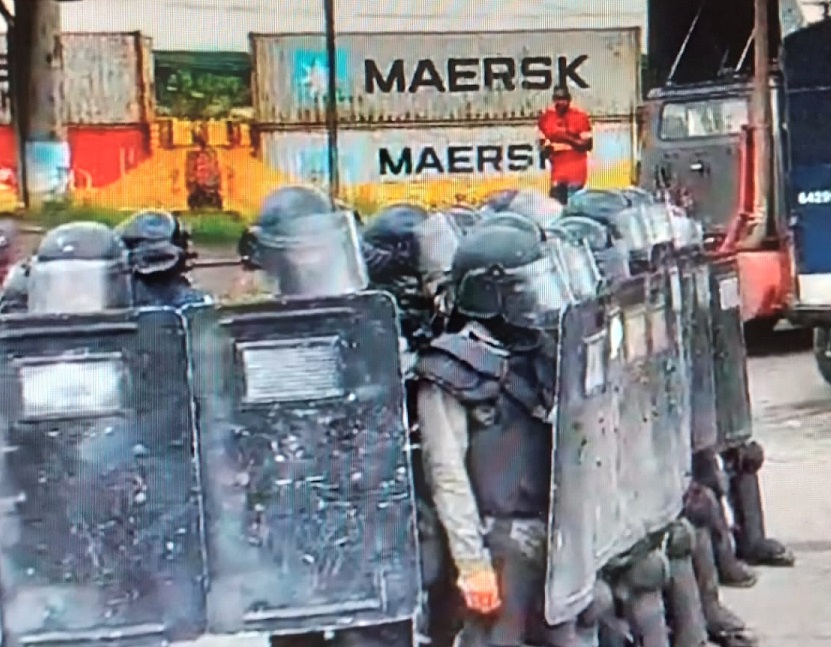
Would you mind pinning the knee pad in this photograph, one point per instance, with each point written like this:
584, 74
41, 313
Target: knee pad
751, 457
680, 539
602, 603
650, 573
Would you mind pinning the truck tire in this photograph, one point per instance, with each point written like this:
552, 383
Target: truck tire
820, 345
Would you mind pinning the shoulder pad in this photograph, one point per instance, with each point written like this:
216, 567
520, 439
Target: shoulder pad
471, 352
467, 369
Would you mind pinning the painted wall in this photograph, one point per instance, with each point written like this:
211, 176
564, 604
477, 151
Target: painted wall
440, 165
202, 76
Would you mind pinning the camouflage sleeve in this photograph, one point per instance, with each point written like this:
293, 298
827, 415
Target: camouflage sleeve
443, 426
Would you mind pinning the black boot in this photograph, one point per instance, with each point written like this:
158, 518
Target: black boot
746, 500
723, 626
686, 619
731, 570
643, 605
709, 475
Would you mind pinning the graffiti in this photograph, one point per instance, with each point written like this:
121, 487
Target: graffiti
203, 85
48, 168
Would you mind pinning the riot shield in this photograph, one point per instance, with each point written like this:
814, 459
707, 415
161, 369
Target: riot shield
704, 426
733, 413
100, 521
580, 419
650, 476
305, 465
671, 434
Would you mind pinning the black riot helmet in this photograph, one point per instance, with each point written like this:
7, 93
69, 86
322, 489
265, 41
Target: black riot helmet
508, 273
422, 243
304, 246
409, 252
630, 220
605, 242
80, 267
157, 242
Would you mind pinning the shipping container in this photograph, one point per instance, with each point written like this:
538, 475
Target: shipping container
108, 79
444, 78
439, 165
224, 25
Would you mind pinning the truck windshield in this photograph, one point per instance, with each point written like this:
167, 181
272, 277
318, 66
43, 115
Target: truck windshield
709, 118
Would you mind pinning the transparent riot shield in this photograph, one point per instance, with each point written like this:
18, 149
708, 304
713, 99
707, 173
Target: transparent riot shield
100, 521
304, 458
580, 418
733, 413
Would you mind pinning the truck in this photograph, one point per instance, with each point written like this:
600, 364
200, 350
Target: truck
714, 136
807, 91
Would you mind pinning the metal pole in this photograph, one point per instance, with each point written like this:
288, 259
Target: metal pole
332, 99
38, 89
760, 121
685, 42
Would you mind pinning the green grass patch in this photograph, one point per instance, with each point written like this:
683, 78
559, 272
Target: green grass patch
207, 228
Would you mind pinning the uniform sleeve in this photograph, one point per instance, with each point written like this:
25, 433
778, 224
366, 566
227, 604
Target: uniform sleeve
584, 127
444, 436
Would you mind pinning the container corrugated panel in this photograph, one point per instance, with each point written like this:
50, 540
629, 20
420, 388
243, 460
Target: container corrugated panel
445, 77
105, 78
439, 165
224, 25
5, 96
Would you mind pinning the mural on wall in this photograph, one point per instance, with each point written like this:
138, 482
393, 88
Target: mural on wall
220, 129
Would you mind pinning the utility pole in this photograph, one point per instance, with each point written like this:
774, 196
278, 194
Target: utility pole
332, 98
37, 103
760, 122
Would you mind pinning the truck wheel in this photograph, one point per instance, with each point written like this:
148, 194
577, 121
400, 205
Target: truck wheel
820, 346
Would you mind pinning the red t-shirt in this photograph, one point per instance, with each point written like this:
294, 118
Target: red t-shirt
568, 166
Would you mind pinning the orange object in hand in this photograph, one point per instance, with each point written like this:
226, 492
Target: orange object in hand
480, 590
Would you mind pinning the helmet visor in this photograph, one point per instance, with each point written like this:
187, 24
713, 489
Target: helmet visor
531, 296
313, 256
78, 286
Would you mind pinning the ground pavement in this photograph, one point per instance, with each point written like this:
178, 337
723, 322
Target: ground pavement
792, 419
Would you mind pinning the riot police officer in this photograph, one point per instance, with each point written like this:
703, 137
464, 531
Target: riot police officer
295, 212
79, 267
303, 248
14, 294
485, 390
159, 253
409, 252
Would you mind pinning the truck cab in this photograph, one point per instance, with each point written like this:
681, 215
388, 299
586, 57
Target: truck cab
699, 143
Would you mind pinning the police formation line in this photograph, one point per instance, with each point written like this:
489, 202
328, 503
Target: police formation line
506, 425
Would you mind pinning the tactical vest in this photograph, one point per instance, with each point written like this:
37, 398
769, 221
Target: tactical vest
507, 399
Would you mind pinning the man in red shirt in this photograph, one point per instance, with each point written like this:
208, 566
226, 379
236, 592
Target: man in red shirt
566, 134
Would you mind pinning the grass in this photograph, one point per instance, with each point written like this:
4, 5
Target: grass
207, 228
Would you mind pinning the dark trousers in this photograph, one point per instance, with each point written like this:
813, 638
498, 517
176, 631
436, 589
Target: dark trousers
521, 572
562, 191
